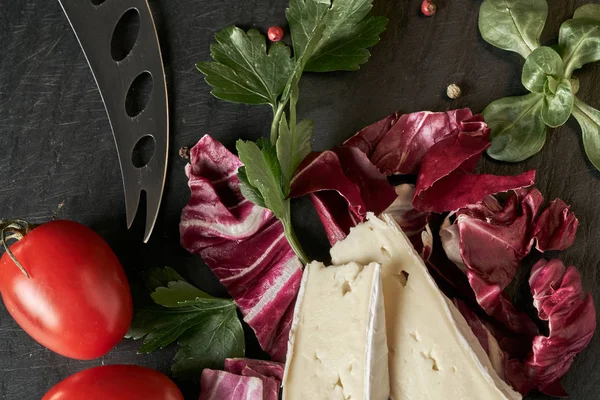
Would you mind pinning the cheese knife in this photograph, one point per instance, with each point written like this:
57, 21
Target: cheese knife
117, 75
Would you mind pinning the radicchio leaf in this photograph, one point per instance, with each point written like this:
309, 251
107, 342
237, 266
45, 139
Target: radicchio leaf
344, 185
217, 212
450, 238
495, 302
492, 241
224, 385
270, 369
427, 242
270, 385
397, 144
411, 221
559, 298
446, 181
492, 250
269, 372
415, 224
572, 322
243, 244
443, 149
556, 227
488, 240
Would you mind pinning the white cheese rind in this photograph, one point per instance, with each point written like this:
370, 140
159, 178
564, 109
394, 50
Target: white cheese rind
376, 352
338, 346
433, 354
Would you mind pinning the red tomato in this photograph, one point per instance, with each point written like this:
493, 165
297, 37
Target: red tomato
77, 301
115, 382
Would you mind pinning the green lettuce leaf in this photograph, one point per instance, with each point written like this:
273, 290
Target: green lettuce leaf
580, 40
589, 120
513, 25
517, 129
588, 11
542, 63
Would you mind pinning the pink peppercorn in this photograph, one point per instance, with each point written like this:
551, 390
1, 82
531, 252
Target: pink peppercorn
428, 8
275, 33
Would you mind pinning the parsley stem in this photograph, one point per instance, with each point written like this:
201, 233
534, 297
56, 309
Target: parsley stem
291, 237
277, 113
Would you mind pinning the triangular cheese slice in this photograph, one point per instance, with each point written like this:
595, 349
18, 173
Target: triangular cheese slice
433, 354
337, 348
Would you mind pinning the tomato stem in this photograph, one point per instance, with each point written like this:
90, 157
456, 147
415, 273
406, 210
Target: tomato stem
17, 228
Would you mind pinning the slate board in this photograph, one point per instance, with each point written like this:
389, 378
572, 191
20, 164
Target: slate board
56, 145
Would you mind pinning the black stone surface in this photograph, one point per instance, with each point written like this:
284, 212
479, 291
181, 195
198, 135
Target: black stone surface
56, 146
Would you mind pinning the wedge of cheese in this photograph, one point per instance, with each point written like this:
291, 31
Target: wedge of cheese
337, 347
433, 354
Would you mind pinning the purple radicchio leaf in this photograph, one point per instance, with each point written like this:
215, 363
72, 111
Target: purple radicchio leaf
270, 369
442, 149
343, 186
427, 243
491, 249
446, 181
559, 298
243, 244
410, 220
415, 224
396, 144
224, 385
556, 227
488, 241
270, 385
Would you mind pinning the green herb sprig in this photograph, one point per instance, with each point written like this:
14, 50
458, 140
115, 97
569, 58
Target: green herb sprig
519, 124
327, 36
206, 328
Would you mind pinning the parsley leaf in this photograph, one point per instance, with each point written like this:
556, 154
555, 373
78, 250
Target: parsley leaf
218, 336
157, 277
176, 293
206, 328
249, 191
243, 70
307, 20
264, 172
293, 145
343, 31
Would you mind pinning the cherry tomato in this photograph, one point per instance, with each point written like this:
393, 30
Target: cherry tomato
77, 300
115, 382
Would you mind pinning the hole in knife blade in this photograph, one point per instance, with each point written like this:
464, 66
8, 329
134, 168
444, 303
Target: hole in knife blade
125, 34
143, 151
97, 2
139, 94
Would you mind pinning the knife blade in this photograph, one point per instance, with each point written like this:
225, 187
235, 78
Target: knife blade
94, 24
